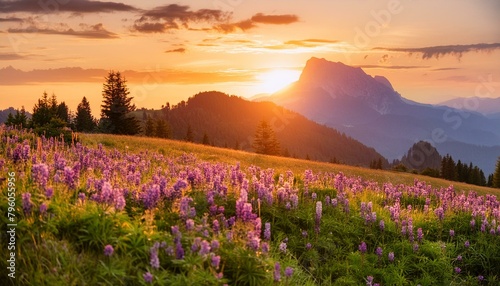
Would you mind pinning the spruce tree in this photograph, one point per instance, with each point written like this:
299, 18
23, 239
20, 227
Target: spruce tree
265, 141
149, 129
496, 175
84, 121
117, 106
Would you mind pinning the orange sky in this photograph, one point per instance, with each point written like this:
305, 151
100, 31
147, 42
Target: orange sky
431, 51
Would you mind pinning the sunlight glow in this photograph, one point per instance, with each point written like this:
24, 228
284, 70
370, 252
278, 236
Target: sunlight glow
276, 79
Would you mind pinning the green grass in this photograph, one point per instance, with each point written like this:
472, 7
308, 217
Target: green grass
174, 148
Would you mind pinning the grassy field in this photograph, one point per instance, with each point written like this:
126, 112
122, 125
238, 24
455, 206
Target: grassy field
280, 164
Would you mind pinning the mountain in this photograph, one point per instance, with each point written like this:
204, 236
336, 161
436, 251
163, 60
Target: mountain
230, 121
370, 110
487, 106
5, 113
420, 156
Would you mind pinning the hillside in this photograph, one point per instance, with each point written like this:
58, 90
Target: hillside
230, 121
173, 148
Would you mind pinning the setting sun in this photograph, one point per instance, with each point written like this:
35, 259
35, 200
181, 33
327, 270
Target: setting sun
274, 80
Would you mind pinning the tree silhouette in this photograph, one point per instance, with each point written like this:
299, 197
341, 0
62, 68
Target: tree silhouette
161, 129
149, 129
117, 106
496, 175
189, 134
265, 141
19, 119
84, 121
205, 140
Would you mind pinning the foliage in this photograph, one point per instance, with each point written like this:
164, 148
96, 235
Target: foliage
102, 216
117, 106
20, 119
265, 141
84, 121
496, 175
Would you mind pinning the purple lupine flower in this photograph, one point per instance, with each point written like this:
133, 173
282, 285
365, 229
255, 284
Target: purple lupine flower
148, 277
439, 213
27, 204
265, 247
81, 197
40, 174
204, 248
108, 250
420, 234
304, 233
215, 245
362, 247
69, 177
415, 247
43, 208
215, 261
369, 281
379, 252
467, 244
480, 278
472, 223
314, 196
459, 258
49, 192
216, 226
391, 256
253, 241
267, 231
452, 233
154, 261
277, 272
319, 210
381, 225
179, 251
282, 247
308, 246
189, 224
288, 272
458, 270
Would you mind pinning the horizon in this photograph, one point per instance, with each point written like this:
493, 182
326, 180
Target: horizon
243, 48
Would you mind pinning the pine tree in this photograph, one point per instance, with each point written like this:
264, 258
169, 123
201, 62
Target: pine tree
20, 119
205, 140
117, 106
496, 175
84, 121
189, 134
161, 129
265, 141
149, 129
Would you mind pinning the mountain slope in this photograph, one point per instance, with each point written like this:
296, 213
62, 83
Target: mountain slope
371, 111
231, 121
486, 106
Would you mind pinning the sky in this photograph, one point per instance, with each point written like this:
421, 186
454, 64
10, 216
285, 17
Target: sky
431, 51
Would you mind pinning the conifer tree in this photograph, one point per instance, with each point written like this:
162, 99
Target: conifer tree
496, 175
84, 121
117, 105
265, 141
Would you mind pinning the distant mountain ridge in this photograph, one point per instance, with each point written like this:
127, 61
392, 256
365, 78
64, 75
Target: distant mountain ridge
231, 121
489, 107
369, 109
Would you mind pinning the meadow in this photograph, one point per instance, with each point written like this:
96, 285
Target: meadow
118, 210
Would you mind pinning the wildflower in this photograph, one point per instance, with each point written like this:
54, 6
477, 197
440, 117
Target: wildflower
379, 252
420, 234
452, 233
415, 247
179, 251
81, 197
391, 256
467, 244
381, 225
439, 213
27, 204
369, 280
216, 261
277, 272
189, 224
314, 196
288, 272
215, 245
205, 248
49, 192
108, 250
43, 208
480, 277
282, 247
308, 246
215, 226
319, 209
459, 258
267, 231
304, 233
458, 270
153, 257
148, 277
265, 247
362, 247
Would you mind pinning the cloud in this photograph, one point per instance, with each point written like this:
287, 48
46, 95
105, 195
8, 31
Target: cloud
91, 32
174, 16
254, 20
12, 76
74, 6
390, 67
179, 50
11, 56
11, 19
444, 69
274, 19
309, 42
440, 51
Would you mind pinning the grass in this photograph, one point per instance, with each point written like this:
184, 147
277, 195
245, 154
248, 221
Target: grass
175, 148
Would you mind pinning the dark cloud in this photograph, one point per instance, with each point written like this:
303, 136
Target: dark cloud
11, 19
445, 69
256, 19
178, 50
91, 32
174, 16
11, 56
440, 51
274, 19
74, 6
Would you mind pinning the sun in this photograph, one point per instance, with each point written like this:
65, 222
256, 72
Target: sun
276, 79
